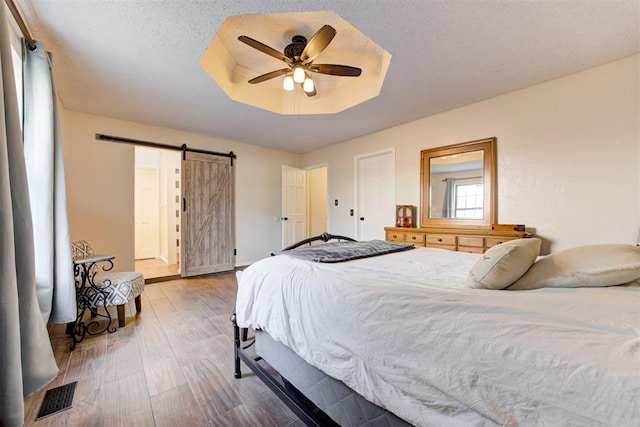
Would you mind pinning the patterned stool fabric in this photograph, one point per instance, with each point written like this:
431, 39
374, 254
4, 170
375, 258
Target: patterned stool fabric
120, 288
81, 249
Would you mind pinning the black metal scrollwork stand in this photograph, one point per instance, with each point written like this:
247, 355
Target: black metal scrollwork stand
90, 296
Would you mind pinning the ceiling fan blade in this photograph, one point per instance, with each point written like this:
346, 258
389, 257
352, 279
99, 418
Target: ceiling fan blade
336, 70
264, 48
318, 43
269, 76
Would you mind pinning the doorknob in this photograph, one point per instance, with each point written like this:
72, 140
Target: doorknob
285, 218
361, 218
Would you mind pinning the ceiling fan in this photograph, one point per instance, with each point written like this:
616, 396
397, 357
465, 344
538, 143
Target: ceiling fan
299, 57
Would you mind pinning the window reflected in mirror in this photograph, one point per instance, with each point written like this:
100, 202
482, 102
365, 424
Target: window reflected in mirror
457, 186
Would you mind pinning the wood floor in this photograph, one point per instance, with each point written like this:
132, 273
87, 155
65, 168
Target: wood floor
170, 365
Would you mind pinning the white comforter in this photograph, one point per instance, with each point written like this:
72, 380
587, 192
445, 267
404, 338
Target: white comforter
404, 331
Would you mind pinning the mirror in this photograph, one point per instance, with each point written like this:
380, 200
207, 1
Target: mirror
458, 184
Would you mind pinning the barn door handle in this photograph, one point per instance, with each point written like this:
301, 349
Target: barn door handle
361, 218
184, 204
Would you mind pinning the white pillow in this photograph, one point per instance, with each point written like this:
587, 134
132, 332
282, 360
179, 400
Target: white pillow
593, 265
503, 264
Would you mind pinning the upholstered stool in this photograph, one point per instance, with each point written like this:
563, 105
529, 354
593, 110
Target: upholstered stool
120, 288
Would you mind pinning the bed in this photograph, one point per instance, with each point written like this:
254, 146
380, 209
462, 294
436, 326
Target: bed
413, 338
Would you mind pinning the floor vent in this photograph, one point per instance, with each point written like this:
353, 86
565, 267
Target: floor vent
57, 399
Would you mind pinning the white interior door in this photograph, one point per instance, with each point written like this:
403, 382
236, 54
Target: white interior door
375, 189
207, 218
294, 205
146, 205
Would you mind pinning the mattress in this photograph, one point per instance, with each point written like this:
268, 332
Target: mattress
405, 332
333, 397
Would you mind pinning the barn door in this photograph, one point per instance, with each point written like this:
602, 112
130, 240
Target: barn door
207, 214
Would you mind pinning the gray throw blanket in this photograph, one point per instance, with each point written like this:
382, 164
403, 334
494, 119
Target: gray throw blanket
346, 251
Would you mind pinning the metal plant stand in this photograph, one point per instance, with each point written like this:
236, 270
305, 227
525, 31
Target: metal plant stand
90, 296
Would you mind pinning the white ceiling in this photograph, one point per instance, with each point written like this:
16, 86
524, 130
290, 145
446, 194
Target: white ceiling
137, 60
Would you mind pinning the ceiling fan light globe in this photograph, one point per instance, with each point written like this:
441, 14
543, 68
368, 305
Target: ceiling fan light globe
308, 85
287, 83
298, 75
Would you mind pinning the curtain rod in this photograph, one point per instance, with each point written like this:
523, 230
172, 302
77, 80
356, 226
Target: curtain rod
183, 148
23, 26
457, 179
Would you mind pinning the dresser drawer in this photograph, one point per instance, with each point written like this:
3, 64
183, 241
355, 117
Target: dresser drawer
473, 241
471, 249
441, 239
493, 241
417, 238
447, 247
394, 236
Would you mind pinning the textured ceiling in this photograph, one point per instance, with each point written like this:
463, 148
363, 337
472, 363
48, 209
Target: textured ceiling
138, 59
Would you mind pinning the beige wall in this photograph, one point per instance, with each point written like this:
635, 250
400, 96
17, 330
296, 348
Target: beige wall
568, 156
568, 166
100, 181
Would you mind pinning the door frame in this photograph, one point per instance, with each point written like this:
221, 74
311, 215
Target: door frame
307, 169
356, 180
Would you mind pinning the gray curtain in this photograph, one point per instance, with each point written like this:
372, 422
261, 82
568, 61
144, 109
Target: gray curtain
449, 203
26, 358
45, 173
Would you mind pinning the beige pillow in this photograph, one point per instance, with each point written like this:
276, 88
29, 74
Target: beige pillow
593, 265
503, 264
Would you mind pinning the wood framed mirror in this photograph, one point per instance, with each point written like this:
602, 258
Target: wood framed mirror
458, 185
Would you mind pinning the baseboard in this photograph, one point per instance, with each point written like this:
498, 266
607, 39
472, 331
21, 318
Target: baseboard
161, 279
240, 264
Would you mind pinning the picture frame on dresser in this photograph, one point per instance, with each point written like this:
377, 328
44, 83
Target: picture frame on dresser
405, 216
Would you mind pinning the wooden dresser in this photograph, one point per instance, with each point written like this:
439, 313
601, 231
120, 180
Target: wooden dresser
475, 240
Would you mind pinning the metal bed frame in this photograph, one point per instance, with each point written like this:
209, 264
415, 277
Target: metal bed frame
295, 400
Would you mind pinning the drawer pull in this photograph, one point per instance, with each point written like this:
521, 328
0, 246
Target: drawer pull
413, 237
439, 239
395, 236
